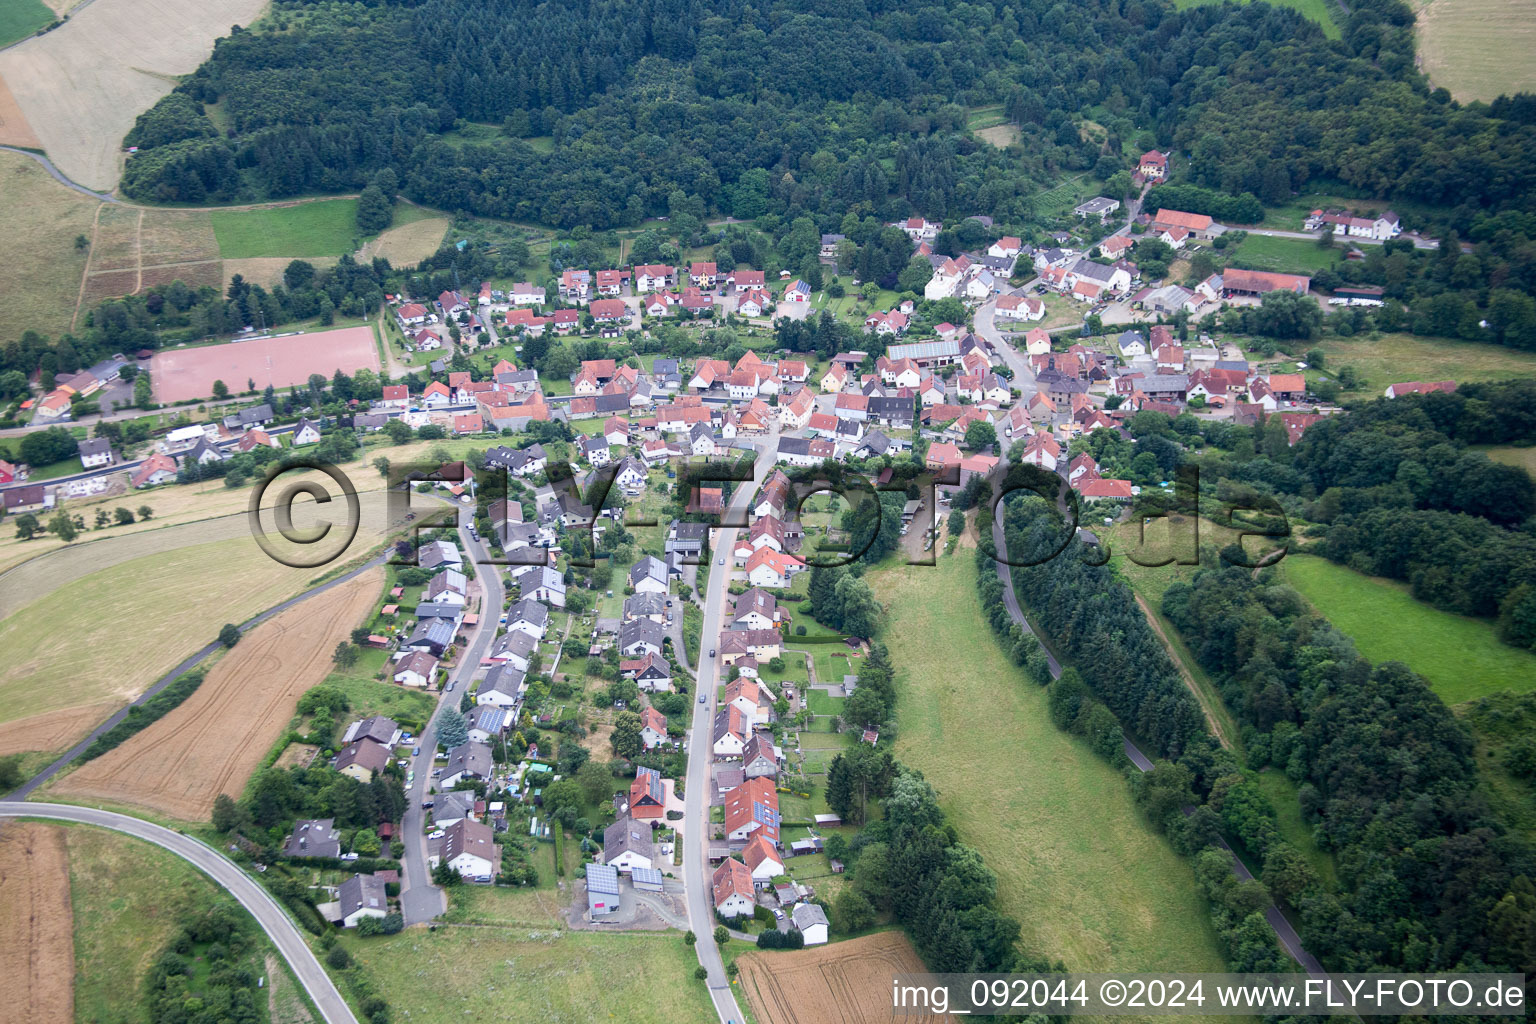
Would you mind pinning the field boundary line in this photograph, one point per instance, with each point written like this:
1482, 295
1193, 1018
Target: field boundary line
85, 274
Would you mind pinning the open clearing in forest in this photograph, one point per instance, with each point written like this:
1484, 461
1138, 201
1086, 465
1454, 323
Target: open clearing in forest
1460, 656
1089, 882
1000, 135
82, 85
182, 374
37, 943
1478, 49
407, 244
847, 982
40, 276
212, 742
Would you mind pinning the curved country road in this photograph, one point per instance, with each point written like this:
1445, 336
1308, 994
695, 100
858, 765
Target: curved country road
268, 914
59, 175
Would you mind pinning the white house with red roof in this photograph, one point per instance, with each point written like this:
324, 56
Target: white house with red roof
1153, 165
1020, 307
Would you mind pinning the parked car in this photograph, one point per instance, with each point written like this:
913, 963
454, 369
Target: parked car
415, 751
436, 833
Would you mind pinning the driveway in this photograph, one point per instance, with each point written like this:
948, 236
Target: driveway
268, 914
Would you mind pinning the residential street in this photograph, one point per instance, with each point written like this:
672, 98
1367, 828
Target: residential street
701, 916
420, 900
272, 918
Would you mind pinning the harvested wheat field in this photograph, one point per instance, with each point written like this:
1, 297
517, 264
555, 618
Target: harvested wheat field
53, 730
408, 244
115, 242
82, 85
212, 743
37, 939
40, 279
14, 129
843, 983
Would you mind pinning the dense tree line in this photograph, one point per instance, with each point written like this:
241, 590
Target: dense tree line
172, 313
1429, 878
1095, 622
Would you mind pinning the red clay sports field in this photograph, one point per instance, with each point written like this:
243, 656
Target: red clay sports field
180, 374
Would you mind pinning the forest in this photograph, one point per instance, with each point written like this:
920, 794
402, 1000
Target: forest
785, 108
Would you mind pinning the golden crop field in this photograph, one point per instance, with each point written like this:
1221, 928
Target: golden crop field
81, 85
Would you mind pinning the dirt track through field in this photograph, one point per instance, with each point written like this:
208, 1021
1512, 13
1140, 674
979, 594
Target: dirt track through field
844, 983
37, 925
212, 743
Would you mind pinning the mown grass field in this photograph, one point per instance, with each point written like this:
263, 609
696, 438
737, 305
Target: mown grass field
21, 18
1460, 657
40, 279
322, 227
1478, 49
1320, 11
1285, 255
1389, 358
519, 961
1087, 879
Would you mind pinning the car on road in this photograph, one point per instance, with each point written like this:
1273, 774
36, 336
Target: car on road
721, 561
415, 751
450, 686
701, 698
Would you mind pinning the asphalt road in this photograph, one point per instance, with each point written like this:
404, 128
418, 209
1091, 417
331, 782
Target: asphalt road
57, 174
186, 665
701, 917
420, 900
266, 910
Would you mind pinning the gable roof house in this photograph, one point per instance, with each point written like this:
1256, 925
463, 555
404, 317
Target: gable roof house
752, 809
362, 896
647, 794
627, 845
732, 890
469, 847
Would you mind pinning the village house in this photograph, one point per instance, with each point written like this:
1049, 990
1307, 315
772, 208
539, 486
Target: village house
647, 794
728, 736
361, 896
732, 889
469, 848
627, 845
752, 809
362, 758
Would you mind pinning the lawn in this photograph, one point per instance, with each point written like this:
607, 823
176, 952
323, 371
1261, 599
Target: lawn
1459, 656
21, 18
1320, 11
10, 451
1287, 255
533, 968
323, 228
128, 898
370, 696
1388, 358
1088, 880
1291, 215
